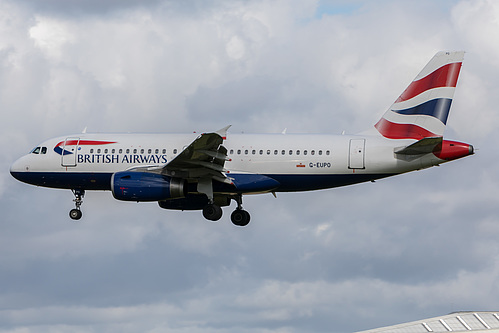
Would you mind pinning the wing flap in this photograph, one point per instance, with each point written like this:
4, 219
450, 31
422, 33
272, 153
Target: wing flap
204, 157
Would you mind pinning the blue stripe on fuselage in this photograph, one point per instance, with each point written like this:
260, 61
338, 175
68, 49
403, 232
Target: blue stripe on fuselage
295, 183
287, 183
68, 180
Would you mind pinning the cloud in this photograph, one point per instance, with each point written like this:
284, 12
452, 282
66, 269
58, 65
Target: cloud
340, 260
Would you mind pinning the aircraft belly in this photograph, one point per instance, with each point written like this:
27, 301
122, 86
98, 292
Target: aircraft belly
310, 182
67, 180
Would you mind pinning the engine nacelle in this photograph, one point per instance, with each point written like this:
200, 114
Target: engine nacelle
146, 186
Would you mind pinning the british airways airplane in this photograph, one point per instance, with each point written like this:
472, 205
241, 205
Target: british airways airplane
205, 172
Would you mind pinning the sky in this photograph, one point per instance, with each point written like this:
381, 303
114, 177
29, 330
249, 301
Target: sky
404, 248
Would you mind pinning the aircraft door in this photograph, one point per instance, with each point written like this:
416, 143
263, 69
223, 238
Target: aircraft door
70, 152
356, 157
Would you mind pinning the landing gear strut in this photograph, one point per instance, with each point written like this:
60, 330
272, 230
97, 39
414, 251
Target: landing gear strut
75, 213
240, 217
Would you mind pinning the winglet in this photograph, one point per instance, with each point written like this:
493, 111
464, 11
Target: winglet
223, 132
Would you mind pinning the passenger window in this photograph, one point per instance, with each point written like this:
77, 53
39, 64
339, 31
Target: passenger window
253, 152
105, 151
246, 152
231, 152
304, 152
120, 151
142, 151
44, 150
98, 151
239, 152
283, 152
327, 152
268, 152
91, 151
164, 151
149, 151
297, 152
275, 152
261, 152
312, 152
135, 151
290, 152
320, 152
128, 151
175, 151
113, 151
156, 151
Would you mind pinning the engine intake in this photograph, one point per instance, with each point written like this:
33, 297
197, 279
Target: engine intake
146, 186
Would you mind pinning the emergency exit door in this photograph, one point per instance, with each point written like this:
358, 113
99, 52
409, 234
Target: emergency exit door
356, 157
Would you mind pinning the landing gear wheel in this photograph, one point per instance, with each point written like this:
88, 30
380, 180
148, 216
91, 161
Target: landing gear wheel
240, 217
75, 214
212, 212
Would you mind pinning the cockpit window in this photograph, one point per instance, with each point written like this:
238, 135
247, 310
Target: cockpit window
36, 150
44, 150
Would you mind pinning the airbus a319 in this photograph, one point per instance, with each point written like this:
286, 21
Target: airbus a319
206, 172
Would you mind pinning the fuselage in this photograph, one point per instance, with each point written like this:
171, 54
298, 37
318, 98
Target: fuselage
299, 162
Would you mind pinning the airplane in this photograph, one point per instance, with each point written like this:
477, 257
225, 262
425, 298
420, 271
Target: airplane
205, 172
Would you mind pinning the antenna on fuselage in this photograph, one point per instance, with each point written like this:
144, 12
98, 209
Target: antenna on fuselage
84, 130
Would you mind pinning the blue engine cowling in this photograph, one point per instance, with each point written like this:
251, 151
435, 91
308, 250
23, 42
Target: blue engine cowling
146, 186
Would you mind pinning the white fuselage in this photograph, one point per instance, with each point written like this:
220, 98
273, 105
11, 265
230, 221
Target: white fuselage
289, 157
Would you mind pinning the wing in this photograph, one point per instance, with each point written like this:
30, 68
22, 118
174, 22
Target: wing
203, 158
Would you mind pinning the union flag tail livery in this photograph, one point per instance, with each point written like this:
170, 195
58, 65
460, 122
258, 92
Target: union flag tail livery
208, 171
422, 109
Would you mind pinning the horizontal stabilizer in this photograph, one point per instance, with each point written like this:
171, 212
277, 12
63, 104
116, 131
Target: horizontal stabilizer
423, 146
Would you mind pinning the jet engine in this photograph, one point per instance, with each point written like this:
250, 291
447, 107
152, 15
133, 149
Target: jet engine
146, 186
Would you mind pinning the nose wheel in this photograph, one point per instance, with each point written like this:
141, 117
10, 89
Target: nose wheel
75, 213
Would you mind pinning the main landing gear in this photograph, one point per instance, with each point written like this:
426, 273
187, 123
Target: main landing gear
212, 212
239, 217
75, 213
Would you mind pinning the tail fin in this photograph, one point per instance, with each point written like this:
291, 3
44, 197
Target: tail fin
422, 109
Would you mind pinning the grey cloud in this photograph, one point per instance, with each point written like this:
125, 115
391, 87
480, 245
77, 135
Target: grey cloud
78, 7
341, 260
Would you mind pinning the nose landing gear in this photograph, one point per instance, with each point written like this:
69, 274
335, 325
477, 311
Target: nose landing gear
75, 213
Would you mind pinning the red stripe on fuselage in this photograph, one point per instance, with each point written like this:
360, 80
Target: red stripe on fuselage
84, 142
402, 131
445, 76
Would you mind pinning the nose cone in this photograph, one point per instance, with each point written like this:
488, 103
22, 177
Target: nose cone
19, 168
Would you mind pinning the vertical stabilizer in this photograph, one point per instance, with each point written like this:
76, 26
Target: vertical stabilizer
422, 109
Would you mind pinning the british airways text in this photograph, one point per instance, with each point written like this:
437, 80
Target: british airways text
116, 158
